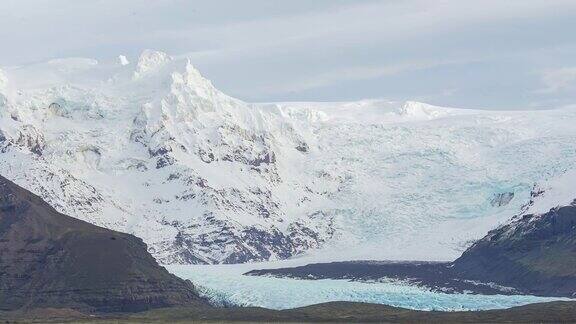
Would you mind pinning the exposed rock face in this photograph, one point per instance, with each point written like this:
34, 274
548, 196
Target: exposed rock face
27, 137
535, 254
502, 199
48, 259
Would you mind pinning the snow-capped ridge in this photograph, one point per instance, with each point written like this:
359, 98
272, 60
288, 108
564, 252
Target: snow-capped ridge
201, 86
150, 60
422, 110
369, 111
555, 192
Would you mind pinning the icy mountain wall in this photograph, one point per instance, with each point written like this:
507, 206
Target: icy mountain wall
152, 148
155, 150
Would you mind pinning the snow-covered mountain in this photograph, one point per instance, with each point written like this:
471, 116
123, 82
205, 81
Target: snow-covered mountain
154, 149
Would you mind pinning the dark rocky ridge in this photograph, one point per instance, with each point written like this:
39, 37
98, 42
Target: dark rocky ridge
48, 259
535, 254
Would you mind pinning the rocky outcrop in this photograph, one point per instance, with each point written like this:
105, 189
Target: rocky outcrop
27, 137
535, 254
501, 199
48, 259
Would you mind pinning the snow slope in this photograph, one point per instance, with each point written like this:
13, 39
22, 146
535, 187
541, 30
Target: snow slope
154, 149
420, 182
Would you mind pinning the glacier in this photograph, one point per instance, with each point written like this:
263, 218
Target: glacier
149, 146
225, 285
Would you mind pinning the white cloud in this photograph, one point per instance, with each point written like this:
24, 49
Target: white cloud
558, 80
353, 73
361, 23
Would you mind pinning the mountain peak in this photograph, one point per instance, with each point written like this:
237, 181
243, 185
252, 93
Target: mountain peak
150, 60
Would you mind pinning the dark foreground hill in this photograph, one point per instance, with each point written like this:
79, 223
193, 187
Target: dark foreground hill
535, 254
343, 312
48, 259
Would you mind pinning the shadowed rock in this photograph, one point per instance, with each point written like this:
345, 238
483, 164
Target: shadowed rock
48, 259
535, 254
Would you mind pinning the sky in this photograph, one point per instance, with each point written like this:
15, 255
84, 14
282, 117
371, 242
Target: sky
492, 54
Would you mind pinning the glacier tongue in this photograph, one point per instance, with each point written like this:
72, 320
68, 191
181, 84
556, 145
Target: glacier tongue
156, 150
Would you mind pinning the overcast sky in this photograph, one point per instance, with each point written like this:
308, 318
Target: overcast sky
494, 54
